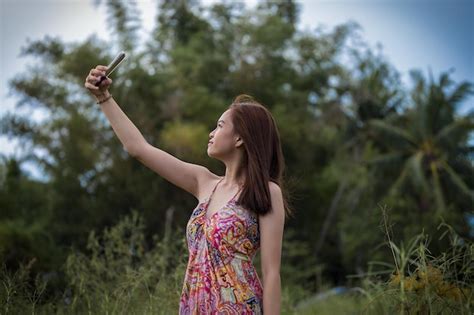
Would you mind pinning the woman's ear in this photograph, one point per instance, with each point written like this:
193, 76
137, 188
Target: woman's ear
239, 142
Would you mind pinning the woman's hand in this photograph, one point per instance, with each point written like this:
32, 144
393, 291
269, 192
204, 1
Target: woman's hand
93, 77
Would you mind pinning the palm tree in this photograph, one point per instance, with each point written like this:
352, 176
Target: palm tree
375, 93
429, 142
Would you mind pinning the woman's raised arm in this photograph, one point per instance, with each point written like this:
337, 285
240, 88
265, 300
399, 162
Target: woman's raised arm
187, 176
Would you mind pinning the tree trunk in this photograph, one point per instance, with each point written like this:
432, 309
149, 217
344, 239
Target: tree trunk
330, 215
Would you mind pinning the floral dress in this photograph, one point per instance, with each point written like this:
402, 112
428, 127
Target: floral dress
220, 277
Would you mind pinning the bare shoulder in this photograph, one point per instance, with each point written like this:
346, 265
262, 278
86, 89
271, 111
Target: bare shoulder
276, 196
206, 182
274, 188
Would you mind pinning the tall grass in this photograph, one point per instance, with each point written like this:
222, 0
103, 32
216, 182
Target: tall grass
119, 275
415, 281
420, 283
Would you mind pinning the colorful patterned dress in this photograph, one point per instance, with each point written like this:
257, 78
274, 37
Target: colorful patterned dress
220, 277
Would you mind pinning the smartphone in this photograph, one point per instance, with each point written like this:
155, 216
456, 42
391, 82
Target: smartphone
112, 66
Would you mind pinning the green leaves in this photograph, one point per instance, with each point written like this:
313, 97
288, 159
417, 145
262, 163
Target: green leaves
461, 93
392, 135
430, 137
458, 181
51, 49
124, 21
452, 134
342, 113
184, 140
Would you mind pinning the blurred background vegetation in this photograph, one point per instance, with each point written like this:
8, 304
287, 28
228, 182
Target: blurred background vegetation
359, 147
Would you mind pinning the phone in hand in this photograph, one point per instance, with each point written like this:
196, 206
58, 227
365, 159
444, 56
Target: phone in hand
112, 66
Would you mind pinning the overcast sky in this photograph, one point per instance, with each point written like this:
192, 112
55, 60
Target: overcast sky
414, 34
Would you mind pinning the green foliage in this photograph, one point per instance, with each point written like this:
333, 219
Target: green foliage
118, 274
121, 275
18, 293
418, 282
184, 140
421, 155
421, 282
353, 138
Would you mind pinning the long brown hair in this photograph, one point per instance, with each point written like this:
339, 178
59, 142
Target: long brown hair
263, 159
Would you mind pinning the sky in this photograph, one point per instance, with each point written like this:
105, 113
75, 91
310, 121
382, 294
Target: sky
413, 34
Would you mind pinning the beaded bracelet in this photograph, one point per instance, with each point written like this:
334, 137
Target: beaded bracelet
105, 99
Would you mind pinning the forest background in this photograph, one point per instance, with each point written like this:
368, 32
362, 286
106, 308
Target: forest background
358, 145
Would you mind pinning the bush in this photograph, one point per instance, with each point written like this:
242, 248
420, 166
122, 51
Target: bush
118, 275
415, 283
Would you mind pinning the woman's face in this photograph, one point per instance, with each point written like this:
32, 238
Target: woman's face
222, 139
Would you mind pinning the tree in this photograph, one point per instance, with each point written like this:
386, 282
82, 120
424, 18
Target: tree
427, 148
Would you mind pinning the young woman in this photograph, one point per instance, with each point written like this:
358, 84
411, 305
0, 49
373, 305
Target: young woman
237, 214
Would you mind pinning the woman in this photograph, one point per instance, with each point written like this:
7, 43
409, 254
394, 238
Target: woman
226, 228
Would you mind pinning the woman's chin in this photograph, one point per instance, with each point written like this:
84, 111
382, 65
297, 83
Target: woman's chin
211, 153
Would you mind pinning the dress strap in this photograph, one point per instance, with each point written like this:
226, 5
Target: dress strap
240, 188
212, 193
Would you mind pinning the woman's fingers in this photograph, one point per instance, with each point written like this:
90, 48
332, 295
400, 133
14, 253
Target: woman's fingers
101, 68
92, 79
97, 72
94, 76
91, 86
105, 83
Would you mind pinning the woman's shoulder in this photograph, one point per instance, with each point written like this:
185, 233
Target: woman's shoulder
274, 187
206, 183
